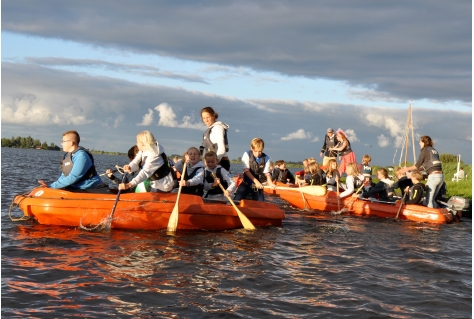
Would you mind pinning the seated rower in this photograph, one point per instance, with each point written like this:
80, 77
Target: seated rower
353, 180
332, 175
132, 153
192, 182
211, 184
282, 174
403, 182
316, 175
382, 188
415, 192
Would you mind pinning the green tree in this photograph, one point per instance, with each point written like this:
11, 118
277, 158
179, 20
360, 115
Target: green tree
44, 146
448, 158
6, 142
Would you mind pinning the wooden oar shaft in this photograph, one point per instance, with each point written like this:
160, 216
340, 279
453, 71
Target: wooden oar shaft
243, 219
401, 204
173, 221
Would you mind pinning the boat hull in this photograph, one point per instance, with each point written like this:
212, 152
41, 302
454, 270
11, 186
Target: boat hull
141, 210
355, 206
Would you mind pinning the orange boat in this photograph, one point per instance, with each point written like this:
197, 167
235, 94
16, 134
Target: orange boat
141, 210
301, 198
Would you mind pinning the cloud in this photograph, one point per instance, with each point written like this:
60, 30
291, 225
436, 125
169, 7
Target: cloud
407, 50
383, 141
351, 135
147, 119
168, 119
298, 135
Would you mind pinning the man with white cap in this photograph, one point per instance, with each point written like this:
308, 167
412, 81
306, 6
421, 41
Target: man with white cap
330, 141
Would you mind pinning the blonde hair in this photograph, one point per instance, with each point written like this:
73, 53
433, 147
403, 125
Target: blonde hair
311, 160
330, 170
148, 140
366, 158
210, 154
355, 169
383, 171
257, 144
313, 167
417, 175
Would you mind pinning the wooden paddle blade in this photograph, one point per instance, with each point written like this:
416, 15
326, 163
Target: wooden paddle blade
243, 219
316, 190
173, 221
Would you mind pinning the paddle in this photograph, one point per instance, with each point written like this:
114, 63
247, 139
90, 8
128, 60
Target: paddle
243, 219
173, 221
401, 204
338, 199
349, 202
107, 222
304, 199
316, 190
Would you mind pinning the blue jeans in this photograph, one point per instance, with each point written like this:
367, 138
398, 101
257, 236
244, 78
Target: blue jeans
433, 185
245, 189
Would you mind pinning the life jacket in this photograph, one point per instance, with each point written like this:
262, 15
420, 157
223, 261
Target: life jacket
330, 142
163, 170
206, 141
433, 164
316, 179
256, 169
193, 190
357, 182
210, 179
282, 175
347, 150
66, 165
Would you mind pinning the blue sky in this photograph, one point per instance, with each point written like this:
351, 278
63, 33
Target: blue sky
276, 70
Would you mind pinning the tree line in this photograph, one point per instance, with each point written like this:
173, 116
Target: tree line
28, 142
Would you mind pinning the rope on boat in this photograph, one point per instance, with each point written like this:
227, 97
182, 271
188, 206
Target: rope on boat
14, 205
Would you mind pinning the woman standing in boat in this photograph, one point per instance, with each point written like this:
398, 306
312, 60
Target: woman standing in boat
429, 161
154, 165
215, 137
346, 155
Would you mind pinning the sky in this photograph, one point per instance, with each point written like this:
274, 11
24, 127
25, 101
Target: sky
283, 71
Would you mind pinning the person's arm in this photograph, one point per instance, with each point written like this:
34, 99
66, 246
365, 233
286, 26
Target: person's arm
231, 185
82, 163
291, 177
350, 187
323, 149
379, 187
197, 179
266, 171
152, 163
340, 148
419, 164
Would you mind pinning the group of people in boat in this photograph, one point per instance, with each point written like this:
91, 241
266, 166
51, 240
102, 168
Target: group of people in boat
150, 168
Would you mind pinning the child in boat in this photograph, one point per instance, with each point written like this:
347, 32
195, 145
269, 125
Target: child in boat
193, 181
414, 194
300, 175
403, 181
367, 172
132, 153
154, 165
316, 174
353, 180
282, 174
211, 185
256, 171
332, 175
382, 188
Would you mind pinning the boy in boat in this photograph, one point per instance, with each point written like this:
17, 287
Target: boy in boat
403, 182
415, 192
143, 186
256, 172
382, 188
367, 172
77, 166
211, 184
193, 180
282, 174
299, 176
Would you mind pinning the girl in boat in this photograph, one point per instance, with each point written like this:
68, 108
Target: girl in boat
353, 180
192, 182
346, 155
211, 184
316, 174
332, 175
215, 137
154, 163
429, 161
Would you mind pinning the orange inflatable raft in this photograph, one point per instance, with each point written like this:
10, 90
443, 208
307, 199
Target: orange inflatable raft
305, 198
141, 210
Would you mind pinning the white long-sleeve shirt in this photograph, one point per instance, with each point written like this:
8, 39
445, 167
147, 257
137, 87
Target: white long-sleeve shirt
350, 185
217, 136
198, 177
151, 161
225, 176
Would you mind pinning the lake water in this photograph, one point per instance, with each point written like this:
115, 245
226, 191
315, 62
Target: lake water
316, 266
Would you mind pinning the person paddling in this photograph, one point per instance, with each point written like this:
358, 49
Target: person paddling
215, 137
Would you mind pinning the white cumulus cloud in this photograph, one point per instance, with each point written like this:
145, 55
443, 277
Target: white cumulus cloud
383, 140
147, 118
168, 119
298, 135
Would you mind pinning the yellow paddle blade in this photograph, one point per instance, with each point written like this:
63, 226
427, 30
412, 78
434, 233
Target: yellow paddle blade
316, 190
243, 219
173, 221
